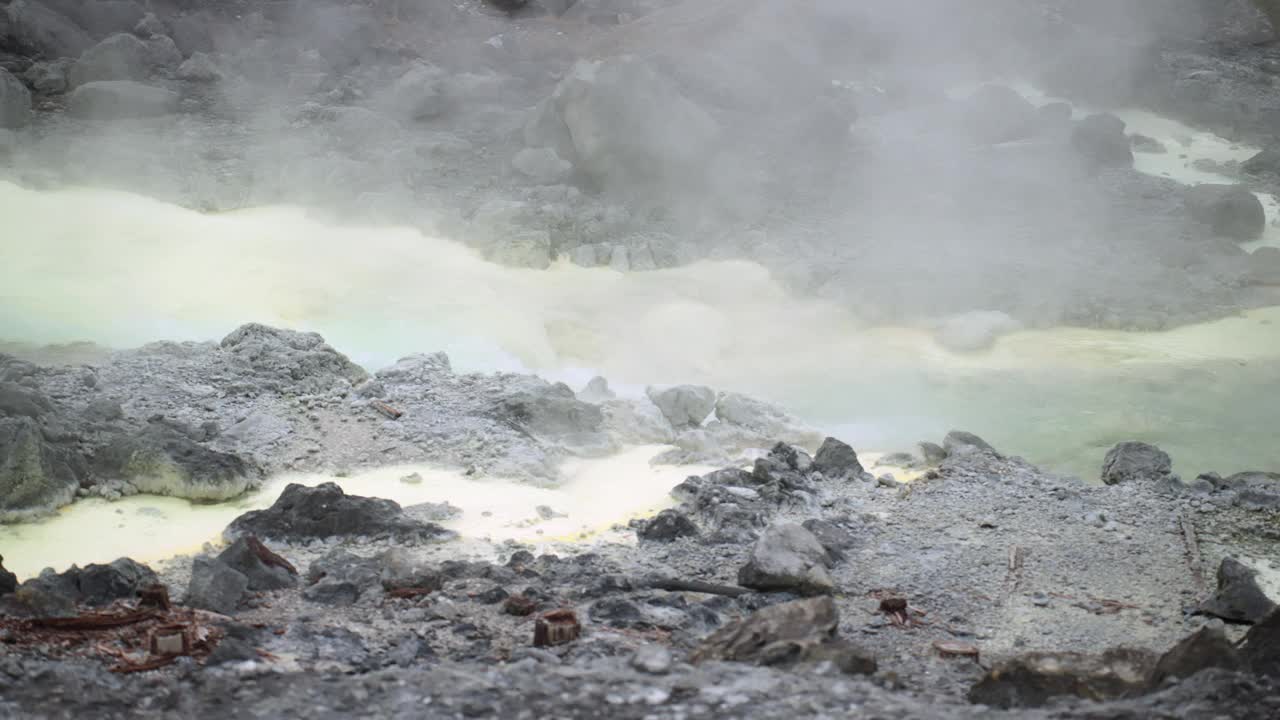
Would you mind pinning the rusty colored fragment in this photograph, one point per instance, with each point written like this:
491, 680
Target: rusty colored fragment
386, 409
155, 596
171, 640
407, 592
153, 664
267, 557
519, 605
893, 605
95, 621
947, 648
557, 627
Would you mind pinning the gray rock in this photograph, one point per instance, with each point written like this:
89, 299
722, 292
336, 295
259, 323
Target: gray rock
215, 586
119, 57
8, 581
836, 460
834, 538
1101, 140
164, 459
542, 165
301, 362
15, 101
765, 419
45, 32
1135, 461
1034, 680
36, 477
553, 412
243, 558
932, 453
787, 557
150, 26
304, 513
194, 32
120, 580
341, 578
596, 391
199, 68
1205, 648
1230, 211
1266, 162
101, 17
959, 442
786, 634
163, 54
49, 78
620, 258
118, 99
1238, 597
587, 255
684, 405
667, 526
1261, 646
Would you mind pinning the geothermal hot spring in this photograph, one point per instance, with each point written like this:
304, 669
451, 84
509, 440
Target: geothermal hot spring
121, 270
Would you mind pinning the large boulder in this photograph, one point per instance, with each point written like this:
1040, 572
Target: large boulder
119, 57
1266, 162
1205, 648
1261, 647
36, 477
164, 459
1238, 597
263, 569
1231, 211
553, 412
787, 557
57, 594
684, 405
1135, 461
215, 586
42, 31
118, 99
629, 129
837, 460
15, 101
291, 361
308, 513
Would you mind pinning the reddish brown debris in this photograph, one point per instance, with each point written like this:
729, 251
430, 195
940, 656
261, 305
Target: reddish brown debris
893, 605
407, 592
947, 648
95, 621
386, 409
267, 557
519, 605
557, 627
155, 596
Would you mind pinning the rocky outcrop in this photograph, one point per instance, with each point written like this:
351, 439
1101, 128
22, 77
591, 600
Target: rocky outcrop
306, 513
119, 99
1230, 211
15, 101
36, 476
164, 459
667, 526
835, 459
1238, 597
53, 594
959, 443
1135, 462
684, 405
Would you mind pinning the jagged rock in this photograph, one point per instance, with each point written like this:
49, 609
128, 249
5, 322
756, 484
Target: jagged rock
684, 405
974, 331
1033, 680
959, 442
8, 581
1135, 461
1261, 646
164, 459
542, 165
836, 460
215, 586
103, 584
1229, 210
785, 634
299, 362
244, 559
304, 513
199, 68
45, 32
341, 578
15, 101
36, 477
1238, 597
1100, 139
1266, 162
667, 526
117, 99
996, 114
1205, 648
787, 557
1255, 490
762, 418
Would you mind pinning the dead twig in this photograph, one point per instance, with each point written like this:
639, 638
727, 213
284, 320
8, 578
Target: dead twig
386, 409
1192, 547
676, 585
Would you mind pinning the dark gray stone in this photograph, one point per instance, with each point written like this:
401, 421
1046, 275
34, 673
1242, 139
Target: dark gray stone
341, 578
836, 460
241, 557
15, 101
786, 634
1135, 462
215, 586
120, 580
1238, 597
1266, 162
36, 477
1261, 646
684, 405
8, 581
833, 537
1230, 211
1205, 648
305, 513
164, 459
667, 526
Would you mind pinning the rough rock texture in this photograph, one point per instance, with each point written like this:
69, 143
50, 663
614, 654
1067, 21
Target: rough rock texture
684, 405
959, 443
1238, 597
1231, 211
53, 594
165, 459
785, 634
15, 101
216, 586
120, 57
667, 526
787, 557
303, 513
1035, 680
1135, 462
1261, 648
245, 557
836, 459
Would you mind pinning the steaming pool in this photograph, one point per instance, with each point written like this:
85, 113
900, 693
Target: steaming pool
122, 270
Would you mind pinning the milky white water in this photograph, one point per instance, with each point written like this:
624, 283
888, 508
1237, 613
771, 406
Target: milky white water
120, 270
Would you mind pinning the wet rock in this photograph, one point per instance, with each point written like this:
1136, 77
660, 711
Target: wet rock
542, 165
36, 477
667, 526
1229, 210
996, 114
117, 99
120, 580
553, 412
163, 459
419, 94
15, 101
787, 557
1036, 679
48, 77
1238, 597
959, 442
215, 586
1266, 162
1135, 462
974, 331
836, 460
304, 513
1261, 646
44, 32
1101, 140
1205, 648
242, 557
785, 634
302, 363
684, 405
8, 581
119, 57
